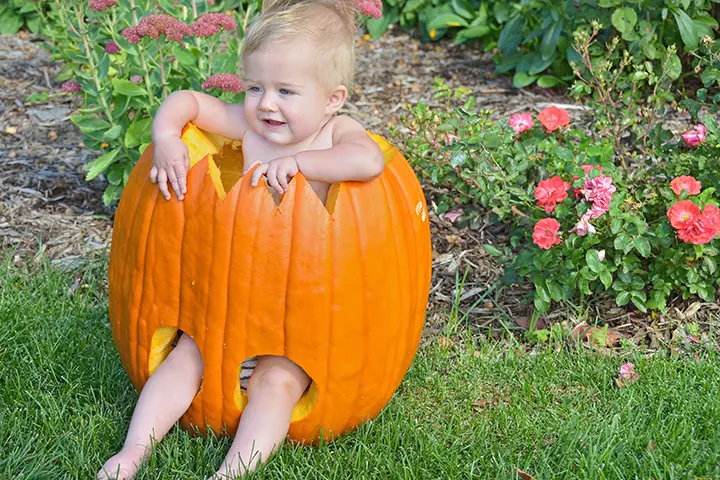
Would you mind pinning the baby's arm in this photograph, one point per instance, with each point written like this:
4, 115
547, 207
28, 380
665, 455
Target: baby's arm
353, 156
171, 162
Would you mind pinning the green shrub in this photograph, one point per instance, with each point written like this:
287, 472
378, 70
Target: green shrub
609, 223
120, 84
533, 38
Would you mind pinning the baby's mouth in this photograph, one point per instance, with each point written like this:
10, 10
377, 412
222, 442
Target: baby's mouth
273, 123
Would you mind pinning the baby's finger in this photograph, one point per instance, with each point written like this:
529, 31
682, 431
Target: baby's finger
186, 163
153, 174
174, 182
257, 173
282, 177
181, 181
162, 184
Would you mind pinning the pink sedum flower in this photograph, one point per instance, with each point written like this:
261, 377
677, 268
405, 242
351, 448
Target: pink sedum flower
521, 122
210, 24
71, 87
371, 8
112, 47
136, 79
154, 25
100, 5
601, 255
227, 82
687, 183
695, 136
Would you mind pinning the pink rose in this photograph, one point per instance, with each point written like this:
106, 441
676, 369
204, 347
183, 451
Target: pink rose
521, 122
695, 136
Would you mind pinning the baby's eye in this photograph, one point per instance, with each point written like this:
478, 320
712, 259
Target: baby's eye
284, 91
253, 89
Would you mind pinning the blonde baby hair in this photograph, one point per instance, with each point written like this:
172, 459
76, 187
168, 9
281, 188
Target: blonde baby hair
328, 24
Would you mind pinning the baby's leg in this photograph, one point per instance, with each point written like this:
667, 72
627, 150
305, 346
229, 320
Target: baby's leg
275, 387
164, 398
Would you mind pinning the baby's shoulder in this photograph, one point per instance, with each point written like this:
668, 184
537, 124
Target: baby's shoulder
343, 125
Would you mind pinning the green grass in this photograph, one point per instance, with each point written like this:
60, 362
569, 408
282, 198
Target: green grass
65, 403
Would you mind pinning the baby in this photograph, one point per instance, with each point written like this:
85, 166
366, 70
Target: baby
298, 63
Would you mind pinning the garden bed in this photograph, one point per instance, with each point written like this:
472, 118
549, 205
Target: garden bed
47, 206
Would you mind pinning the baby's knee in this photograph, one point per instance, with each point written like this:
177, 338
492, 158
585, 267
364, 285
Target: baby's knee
277, 381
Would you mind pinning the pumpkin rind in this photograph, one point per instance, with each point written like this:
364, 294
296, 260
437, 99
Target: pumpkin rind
342, 294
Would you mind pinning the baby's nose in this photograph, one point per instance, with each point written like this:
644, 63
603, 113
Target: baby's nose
267, 104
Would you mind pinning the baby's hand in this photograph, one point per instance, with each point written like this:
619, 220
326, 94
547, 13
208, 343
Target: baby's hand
278, 173
170, 163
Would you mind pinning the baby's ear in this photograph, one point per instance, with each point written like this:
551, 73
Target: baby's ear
337, 99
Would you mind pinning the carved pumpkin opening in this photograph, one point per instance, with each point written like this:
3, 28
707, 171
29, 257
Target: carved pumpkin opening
302, 409
164, 340
226, 163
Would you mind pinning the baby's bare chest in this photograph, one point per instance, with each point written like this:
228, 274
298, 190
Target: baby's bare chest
258, 149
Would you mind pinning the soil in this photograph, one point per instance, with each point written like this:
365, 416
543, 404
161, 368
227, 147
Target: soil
48, 209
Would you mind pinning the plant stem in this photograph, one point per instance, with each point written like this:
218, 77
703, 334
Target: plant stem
162, 69
143, 63
90, 55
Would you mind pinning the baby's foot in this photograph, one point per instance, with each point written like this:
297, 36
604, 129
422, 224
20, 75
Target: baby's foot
124, 464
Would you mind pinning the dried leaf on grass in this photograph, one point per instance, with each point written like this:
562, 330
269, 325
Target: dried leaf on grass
524, 475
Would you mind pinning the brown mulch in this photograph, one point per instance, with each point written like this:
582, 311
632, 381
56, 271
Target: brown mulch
47, 209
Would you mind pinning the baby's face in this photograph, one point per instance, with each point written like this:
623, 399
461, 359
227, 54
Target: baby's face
285, 102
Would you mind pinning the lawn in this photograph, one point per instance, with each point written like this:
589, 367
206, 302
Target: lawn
484, 411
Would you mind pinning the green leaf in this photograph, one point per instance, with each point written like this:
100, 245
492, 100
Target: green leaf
541, 291
624, 19
555, 290
550, 40
87, 123
639, 302
100, 164
593, 261
111, 193
710, 264
446, 20
541, 305
185, 57
688, 30
113, 133
621, 241
493, 250
522, 79
548, 81
606, 278
642, 246
622, 298
138, 132
103, 67
674, 67
127, 88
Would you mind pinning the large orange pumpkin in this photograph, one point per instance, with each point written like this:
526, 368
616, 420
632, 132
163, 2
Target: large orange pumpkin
340, 289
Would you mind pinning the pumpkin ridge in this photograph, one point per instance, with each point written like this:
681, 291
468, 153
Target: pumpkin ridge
388, 376
413, 253
366, 333
412, 256
400, 285
124, 242
207, 400
223, 387
134, 331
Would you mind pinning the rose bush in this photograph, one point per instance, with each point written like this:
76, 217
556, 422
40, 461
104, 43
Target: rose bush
580, 224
